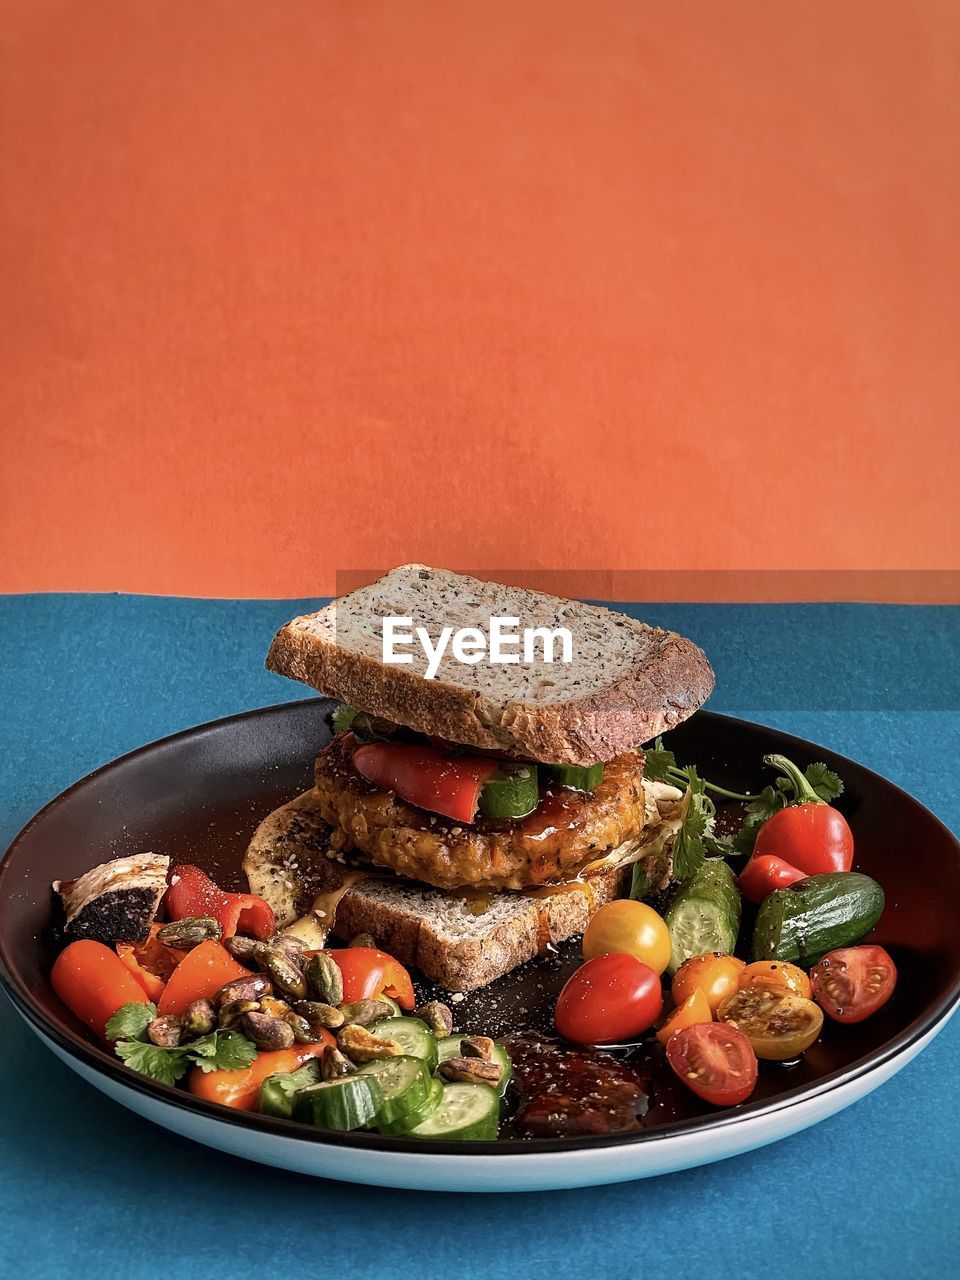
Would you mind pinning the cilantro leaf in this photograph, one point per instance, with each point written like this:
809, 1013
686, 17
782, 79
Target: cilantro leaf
130, 1021
166, 1065
824, 781
690, 846
222, 1050
342, 718
658, 762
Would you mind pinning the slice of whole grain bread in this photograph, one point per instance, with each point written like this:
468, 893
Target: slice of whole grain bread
460, 943
627, 681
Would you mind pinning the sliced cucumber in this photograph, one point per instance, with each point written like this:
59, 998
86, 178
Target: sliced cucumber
575, 776
414, 1036
511, 792
395, 1010
278, 1092
340, 1104
404, 1083
705, 914
816, 915
467, 1112
427, 1108
449, 1047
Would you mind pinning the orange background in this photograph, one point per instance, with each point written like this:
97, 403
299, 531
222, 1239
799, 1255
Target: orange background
310, 285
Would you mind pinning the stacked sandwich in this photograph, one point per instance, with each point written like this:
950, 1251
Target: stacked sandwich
469, 820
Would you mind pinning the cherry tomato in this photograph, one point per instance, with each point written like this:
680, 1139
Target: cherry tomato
632, 927
428, 777
778, 1027
694, 1009
853, 982
778, 976
764, 874
612, 998
368, 973
715, 974
811, 837
716, 1061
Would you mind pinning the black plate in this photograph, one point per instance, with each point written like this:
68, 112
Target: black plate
199, 795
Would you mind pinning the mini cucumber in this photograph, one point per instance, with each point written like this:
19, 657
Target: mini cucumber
344, 1104
427, 1108
404, 1083
449, 1047
278, 1092
806, 920
705, 914
467, 1112
414, 1036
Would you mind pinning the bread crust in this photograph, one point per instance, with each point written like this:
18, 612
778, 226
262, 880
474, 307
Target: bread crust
670, 680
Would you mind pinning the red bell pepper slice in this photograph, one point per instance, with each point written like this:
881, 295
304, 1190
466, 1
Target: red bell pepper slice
192, 893
369, 973
427, 777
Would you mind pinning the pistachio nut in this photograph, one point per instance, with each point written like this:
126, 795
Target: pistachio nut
324, 978
360, 1046
267, 1033
166, 1031
286, 975
471, 1071
251, 988
333, 1064
319, 1015
275, 1007
230, 1013
437, 1016
363, 940
189, 932
303, 1033
477, 1047
199, 1019
364, 1013
286, 942
243, 949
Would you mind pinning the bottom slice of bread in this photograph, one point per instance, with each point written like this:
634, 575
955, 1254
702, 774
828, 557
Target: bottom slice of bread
459, 942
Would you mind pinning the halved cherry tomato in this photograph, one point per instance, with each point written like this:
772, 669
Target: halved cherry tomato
199, 976
609, 999
150, 962
694, 1010
715, 974
93, 982
369, 973
193, 893
716, 1061
241, 1089
764, 874
632, 927
778, 976
428, 777
853, 982
778, 1027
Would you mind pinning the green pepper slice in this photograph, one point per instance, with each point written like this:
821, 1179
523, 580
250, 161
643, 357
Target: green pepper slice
511, 792
577, 777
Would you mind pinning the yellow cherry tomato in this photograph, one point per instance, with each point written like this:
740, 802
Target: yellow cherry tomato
778, 976
693, 1010
632, 927
715, 974
778, 1027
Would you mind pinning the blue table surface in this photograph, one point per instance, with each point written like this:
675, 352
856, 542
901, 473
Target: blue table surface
88, 1189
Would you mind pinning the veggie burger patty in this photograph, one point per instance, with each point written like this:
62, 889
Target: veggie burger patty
567, 830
